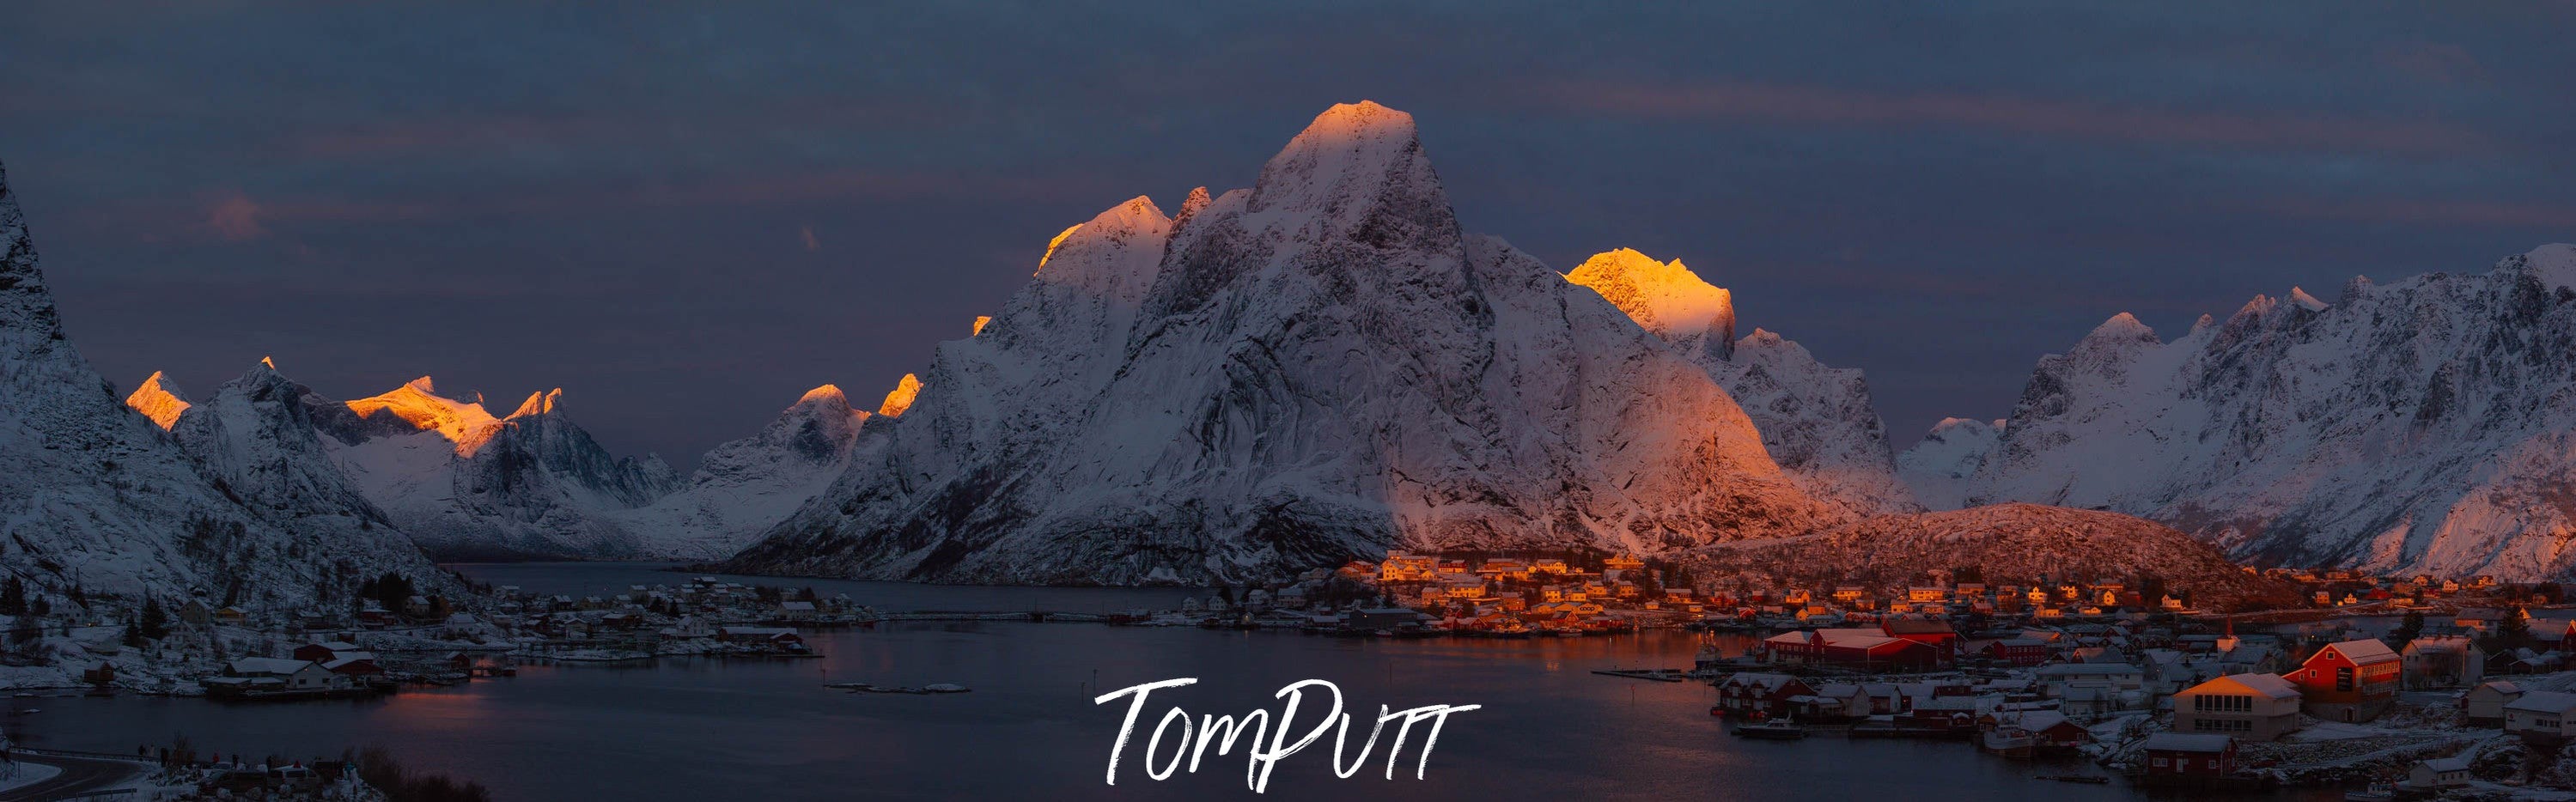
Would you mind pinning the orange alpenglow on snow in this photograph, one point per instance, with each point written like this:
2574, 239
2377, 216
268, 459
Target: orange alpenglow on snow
1059, 240
825, 391
1663, 297
980, 320
418, 403
538, 403
901, 399
1349, 119
158, 401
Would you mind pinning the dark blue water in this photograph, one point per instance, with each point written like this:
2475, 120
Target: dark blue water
705, 729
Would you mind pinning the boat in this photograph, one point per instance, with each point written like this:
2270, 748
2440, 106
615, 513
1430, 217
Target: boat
1775, 730
2011, 742
2377, 792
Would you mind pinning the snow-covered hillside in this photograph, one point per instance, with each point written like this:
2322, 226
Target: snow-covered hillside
1316, 368
2427, 424
1816, 421
96, 496
1940, 466
744, 487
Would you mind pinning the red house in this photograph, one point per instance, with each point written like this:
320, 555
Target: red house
2054, 731
1865, 649
1768, 694
1931, 632
2018, 651
2189, 756
2355, 680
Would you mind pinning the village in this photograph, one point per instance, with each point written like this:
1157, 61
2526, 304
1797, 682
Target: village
398, 636
2454, 692
2408, 686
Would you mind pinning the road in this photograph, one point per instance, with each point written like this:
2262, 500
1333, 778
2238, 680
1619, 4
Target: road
80, 775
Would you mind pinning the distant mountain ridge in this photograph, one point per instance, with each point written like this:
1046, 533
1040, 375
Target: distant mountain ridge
2422, 425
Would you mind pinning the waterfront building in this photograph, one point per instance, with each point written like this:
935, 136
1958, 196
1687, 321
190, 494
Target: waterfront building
2255, 707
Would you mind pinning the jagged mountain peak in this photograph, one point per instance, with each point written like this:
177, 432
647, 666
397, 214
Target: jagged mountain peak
1196, 202
977, 328
1353, 161
1816, 421
2124, 328
538, 403
2554, 264
745, 486
1094, 256
2305, 301
1664, 297
828, 393
159, 399
901, 397
1325, 366
465, 424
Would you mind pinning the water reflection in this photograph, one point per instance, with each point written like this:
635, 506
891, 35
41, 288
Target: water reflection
735, 729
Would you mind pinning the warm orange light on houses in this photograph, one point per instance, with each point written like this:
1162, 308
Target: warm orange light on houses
2355, 680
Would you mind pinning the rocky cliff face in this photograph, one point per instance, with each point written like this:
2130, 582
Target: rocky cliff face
1816, 421
2423, 425
1314, 369
96, 496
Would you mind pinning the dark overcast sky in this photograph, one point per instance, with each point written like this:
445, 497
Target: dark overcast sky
686, 216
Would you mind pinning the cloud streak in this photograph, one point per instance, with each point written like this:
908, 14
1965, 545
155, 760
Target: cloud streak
2058, 119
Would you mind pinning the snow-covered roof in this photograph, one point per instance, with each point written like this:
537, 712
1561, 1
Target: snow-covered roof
2187, 742
268, 665
2269, 685
2088, 669
2037, 720
2454, 763
2544, 702
2364, 650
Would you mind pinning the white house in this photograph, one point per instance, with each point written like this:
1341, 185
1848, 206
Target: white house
2484, 704
2256, 707
2544, 716
2446, 772
2436, 661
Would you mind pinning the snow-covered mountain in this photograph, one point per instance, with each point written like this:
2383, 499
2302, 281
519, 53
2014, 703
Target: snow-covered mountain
2423, 425
95, 496
744, 487
1317, 368
467, 485
255, 440
1940, 466
1816, 421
